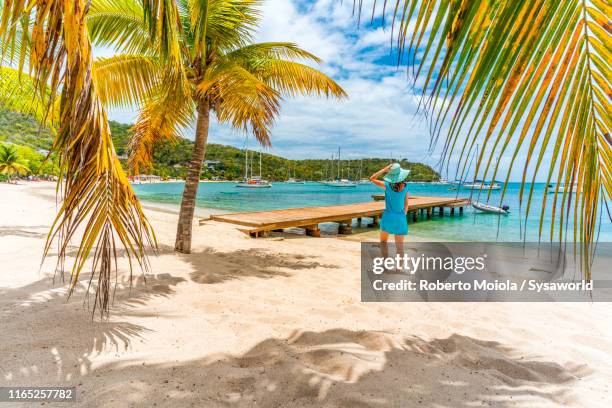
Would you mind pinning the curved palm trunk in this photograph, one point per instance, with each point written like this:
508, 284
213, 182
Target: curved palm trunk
185, 222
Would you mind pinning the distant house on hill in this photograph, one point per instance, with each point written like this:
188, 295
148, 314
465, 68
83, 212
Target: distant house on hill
212, 163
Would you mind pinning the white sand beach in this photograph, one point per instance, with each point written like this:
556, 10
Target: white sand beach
278, 322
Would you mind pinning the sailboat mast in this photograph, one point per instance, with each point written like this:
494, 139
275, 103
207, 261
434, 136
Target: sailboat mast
338, 162
246, 163
260, 164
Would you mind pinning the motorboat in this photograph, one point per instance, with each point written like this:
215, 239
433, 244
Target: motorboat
480, 185
562, 189
296, 181
504, 209
340, 183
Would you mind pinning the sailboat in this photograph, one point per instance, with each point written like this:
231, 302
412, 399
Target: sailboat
479, 184
253, 181
486, 207
339, 182
361, 179
294, 180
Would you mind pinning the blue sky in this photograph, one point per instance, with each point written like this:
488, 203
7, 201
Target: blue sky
380, 117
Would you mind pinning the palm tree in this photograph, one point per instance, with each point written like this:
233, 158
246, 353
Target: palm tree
96, 193
10, 162
529, 79
214, 68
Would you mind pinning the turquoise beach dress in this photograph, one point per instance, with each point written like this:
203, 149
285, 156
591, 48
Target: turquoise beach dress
393, 219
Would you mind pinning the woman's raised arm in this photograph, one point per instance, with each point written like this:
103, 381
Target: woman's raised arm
374, 177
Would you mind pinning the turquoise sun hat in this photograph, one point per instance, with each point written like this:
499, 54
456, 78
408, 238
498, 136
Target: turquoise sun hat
396, 174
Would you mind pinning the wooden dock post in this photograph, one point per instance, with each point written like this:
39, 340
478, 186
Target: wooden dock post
460, 210
452, 210
429, 212
414, 216
313, 230
375, 221
345, 227
441, 211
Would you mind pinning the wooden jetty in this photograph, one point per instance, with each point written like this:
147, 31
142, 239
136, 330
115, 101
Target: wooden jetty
259, 223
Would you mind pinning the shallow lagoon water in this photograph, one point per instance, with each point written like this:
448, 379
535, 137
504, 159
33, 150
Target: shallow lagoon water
472, 226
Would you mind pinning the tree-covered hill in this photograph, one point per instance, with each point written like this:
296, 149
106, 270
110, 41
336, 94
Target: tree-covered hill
223, 162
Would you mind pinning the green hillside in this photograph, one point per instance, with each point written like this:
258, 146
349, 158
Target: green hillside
225, 162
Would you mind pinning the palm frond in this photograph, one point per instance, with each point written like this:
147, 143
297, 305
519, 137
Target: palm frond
119, 24
96, 195
242, 100
526, 79
253, 53
125, 80
163, 116
18, 93
292, 78
230, 23
163, 21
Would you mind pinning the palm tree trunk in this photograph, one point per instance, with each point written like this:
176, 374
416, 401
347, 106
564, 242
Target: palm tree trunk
185, 222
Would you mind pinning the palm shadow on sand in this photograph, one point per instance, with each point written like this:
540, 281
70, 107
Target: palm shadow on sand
343, 368
211, 267
51, 339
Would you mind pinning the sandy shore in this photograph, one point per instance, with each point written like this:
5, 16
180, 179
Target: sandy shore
278, 322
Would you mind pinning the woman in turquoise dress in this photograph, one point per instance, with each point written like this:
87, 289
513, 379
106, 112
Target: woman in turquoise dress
393, 220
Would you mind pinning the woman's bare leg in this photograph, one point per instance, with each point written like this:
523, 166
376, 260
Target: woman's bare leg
384, 248
399, 245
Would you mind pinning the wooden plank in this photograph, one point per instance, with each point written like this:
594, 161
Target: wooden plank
462, 203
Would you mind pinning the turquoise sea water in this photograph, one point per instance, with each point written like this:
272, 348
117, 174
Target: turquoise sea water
472, 226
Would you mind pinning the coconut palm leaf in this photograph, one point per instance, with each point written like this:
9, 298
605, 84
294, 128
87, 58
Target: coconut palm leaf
97, 200
525, 79
119, 24
18, 93
292, 78
238, 97
271, 50
168, 111
125, 80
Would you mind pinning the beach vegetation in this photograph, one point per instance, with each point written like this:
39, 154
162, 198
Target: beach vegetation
11, 163
171, 160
